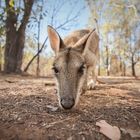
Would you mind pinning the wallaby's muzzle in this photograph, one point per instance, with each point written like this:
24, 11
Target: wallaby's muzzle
67, 102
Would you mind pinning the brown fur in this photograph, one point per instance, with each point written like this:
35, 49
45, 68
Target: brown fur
74, 64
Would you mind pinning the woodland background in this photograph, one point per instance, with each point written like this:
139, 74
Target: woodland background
24, 45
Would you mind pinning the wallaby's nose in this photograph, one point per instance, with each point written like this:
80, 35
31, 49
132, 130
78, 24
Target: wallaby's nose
67, 102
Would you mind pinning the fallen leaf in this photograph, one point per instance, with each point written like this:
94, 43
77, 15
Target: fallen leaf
52, 108
112, 132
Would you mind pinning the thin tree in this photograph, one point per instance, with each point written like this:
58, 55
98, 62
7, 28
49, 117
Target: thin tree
134, 54
38, 18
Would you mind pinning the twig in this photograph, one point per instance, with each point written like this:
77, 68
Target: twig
50, 84
60, 121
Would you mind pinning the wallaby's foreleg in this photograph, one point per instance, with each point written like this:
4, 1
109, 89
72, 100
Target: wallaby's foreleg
91, 78
84, 88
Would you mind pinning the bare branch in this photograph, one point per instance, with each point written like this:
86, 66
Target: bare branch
43, 45
62, 26
28, 4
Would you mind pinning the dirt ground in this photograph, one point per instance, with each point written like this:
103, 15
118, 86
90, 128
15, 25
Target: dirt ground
29, 109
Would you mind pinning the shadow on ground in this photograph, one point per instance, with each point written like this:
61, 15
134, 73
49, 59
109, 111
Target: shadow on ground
29, 110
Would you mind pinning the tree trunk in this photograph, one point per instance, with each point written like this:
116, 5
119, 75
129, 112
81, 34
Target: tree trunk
14, 51
0, 57
107, 61
11, 35
38, 66
133, 67
123, 69
20, 45
15, 38
99, 67
133, 70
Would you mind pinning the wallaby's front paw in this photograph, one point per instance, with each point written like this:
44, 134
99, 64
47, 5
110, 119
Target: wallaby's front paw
91, 85
83, 91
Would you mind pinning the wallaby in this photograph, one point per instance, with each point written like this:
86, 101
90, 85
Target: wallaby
75, 64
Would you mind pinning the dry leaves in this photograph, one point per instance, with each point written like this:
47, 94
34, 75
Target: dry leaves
112, 132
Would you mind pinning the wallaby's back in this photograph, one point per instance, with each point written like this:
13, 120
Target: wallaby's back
92, 52
72, 38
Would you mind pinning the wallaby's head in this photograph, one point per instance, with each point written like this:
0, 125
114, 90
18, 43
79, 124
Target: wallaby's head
69, 67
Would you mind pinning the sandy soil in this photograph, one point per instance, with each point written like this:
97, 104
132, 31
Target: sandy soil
29, 109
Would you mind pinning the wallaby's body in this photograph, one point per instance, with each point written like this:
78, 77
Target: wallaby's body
75, 63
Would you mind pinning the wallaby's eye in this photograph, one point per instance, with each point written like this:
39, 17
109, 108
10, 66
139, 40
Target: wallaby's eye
55, 70
81, 69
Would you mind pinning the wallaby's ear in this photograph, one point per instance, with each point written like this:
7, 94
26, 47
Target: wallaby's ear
55, 40
86, 41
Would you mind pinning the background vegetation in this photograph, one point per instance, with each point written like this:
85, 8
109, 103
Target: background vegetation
24, 46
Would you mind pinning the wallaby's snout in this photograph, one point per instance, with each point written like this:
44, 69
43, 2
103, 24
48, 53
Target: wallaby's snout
67, 102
